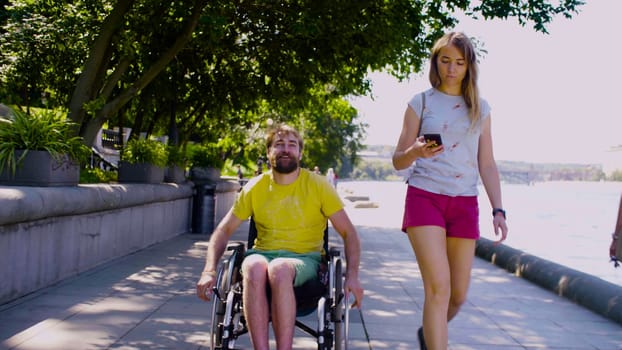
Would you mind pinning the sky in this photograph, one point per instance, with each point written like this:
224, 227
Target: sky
554, 97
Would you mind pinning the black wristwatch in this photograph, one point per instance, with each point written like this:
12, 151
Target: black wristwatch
498, 210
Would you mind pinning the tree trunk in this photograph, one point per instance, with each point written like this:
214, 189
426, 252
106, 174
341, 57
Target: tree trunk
87, 82
125, 96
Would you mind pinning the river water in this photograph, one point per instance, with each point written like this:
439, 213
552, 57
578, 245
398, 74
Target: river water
569, 223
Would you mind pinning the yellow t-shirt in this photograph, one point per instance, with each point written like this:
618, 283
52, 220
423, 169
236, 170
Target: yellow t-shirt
288, 217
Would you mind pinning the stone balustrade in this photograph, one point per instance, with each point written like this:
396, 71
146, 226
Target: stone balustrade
48, 234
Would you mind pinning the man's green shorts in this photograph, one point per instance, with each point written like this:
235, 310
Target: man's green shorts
306, 269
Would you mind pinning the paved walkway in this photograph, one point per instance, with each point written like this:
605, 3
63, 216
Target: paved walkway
147, 301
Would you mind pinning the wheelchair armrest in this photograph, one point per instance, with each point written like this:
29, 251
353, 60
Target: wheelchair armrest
334, 252
238, 250
236, 246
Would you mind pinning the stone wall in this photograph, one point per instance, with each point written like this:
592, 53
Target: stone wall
50, 233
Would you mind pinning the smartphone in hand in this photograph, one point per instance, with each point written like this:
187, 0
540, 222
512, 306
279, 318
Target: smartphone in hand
435, 139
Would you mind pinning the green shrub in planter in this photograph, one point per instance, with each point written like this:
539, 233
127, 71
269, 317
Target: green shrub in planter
206, 163
206, 156
176, 156
176, 170
145, 151
42, 130
143, 161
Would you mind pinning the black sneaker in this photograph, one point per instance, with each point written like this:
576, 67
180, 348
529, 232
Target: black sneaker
422, 345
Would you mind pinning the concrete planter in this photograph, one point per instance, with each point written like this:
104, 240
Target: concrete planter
38, 168
205, 174
140, 172
175, 174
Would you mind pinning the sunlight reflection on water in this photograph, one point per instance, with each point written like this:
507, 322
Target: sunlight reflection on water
569, 223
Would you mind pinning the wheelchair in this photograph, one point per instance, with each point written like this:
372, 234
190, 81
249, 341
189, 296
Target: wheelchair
325, 295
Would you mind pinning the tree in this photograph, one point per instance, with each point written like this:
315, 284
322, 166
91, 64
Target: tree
204, 66
41, 52
328, 125
90, 88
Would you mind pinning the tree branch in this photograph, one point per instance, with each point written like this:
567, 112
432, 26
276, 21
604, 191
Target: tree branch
125, 96
86, 83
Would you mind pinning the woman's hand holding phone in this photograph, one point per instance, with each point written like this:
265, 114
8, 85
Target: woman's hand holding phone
433, 140
432, 145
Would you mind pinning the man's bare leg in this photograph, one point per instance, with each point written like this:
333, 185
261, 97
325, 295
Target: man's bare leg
281, 274
256, 311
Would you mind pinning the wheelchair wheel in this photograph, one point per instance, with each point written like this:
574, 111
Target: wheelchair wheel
225, 302
218, 308
340, 310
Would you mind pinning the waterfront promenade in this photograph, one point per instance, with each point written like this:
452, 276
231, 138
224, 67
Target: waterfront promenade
146, 300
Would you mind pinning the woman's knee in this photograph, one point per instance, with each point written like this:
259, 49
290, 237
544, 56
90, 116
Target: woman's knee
439, 290
458, 298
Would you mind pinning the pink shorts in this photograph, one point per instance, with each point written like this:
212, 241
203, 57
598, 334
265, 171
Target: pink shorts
459, 216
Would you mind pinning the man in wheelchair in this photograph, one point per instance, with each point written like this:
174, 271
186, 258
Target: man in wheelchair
290, 207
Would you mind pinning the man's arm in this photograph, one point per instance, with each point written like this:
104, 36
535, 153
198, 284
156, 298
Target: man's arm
342, 224
215, 250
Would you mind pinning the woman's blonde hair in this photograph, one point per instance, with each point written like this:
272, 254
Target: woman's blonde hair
470, 92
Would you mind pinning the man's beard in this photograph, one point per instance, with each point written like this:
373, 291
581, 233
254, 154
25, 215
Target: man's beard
285, 165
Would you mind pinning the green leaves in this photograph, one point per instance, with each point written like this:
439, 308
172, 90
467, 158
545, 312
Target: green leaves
176, 156
538, 12
206, 155
145, 151
42, 130
242, 55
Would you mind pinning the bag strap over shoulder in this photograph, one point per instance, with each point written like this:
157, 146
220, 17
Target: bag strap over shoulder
420, 122
421, 114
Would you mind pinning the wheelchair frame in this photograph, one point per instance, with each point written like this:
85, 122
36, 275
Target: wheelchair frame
229, 323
